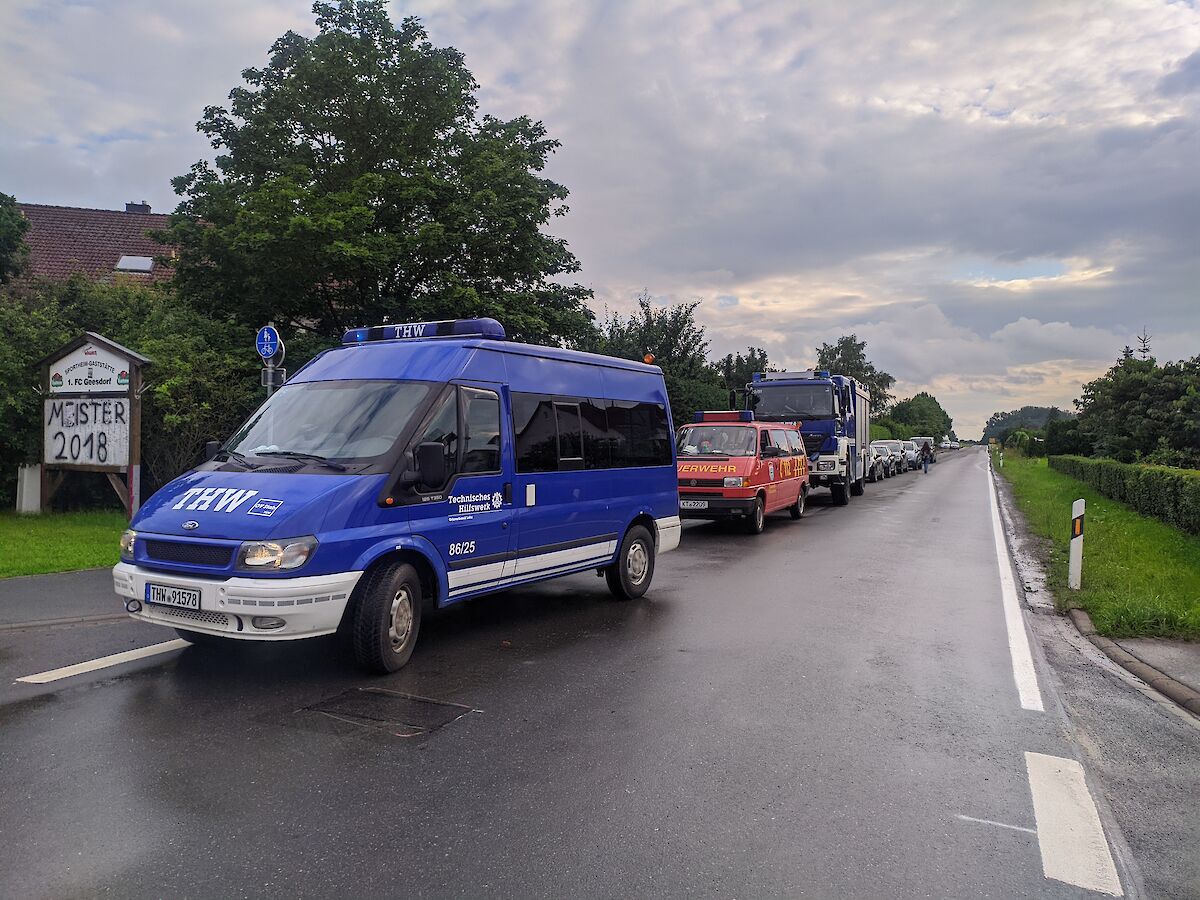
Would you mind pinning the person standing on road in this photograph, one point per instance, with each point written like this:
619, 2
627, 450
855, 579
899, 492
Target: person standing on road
926, 456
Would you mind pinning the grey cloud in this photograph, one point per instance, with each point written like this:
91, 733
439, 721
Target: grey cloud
1185, 79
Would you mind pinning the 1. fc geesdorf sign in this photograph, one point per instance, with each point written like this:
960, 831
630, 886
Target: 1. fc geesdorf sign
88, 431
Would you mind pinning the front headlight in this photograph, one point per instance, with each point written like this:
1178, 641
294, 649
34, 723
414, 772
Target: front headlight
825, 465
734, 481
128, 539
291, 553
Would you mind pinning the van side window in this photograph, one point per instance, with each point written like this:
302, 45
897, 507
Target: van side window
764, 441
481, 416
443, 429
781, 438
564, 433
536, 433
570, 436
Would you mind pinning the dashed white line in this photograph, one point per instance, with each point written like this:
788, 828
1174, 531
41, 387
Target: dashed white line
103, 662
1074, 849
1018, 641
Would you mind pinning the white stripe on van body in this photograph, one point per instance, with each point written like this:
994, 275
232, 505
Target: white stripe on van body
492, 575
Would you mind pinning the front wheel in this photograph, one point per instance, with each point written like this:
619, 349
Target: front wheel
387, 617
630, 575
757, 519
797, 508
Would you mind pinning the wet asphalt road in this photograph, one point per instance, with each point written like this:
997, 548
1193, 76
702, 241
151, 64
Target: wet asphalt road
803, 713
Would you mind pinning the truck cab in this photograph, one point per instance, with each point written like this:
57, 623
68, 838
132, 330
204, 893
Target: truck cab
836, 414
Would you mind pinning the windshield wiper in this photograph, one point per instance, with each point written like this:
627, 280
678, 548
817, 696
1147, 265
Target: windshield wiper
295, 454
238, 458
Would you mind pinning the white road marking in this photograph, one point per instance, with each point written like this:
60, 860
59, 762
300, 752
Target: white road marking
103, 662
1018, 641
997, 824
1069, 833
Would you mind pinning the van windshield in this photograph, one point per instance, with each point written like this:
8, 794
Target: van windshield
790, 402
717, 440
347, 421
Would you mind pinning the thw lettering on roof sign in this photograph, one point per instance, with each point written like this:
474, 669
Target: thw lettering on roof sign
218, 499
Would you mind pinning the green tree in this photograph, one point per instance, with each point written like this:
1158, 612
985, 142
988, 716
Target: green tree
679, 346
848, 356
922, 415
1140, 411
355, 183
1026, 417
736, 370
13, 251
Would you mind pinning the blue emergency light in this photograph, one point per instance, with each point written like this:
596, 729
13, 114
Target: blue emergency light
485, 328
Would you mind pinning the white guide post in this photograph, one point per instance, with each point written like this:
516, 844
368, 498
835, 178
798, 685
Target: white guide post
1075, 569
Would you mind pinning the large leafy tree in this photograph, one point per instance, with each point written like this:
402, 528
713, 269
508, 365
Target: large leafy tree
13, 252
355, 183
1000, 423
848, 356
923, 415
1141, 411
679, 346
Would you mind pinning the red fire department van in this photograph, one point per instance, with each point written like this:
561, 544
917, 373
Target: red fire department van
731, 466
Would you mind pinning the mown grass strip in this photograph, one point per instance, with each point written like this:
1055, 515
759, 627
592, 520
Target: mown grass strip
1141, 577
58, 542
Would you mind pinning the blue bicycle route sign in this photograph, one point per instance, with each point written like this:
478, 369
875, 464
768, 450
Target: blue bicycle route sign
267, 342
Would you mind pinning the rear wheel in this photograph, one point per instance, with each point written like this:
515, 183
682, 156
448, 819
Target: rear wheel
797, 508
387, 617
630, 575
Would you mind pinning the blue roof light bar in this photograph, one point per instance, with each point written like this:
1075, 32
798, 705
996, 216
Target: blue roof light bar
485, 328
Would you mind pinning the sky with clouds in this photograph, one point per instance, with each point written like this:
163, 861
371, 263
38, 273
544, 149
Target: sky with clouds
996, 196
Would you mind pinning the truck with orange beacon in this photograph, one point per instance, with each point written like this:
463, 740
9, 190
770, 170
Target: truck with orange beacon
733, 467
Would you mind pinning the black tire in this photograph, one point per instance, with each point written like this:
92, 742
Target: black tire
841, 493
757, 520
797, 509
386, 617
858, 487
630, 575
871, 475
200, 639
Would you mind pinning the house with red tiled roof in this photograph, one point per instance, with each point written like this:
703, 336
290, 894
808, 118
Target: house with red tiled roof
97, 243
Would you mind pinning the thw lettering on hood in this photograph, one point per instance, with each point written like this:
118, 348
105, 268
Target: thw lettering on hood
225, 499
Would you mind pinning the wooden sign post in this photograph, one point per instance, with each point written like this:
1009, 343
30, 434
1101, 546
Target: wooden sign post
92, 416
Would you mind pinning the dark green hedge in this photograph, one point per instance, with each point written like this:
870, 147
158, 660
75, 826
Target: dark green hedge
1172, 495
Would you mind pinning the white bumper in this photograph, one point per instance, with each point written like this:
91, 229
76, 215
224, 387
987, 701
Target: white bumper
310, 606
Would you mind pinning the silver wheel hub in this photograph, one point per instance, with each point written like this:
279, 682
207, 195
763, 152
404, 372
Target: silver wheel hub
400, 619
637, 562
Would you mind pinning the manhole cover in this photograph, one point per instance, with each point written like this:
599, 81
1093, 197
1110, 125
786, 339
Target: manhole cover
391, 712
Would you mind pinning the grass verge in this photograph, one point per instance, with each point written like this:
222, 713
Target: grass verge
58, 542
1141, 577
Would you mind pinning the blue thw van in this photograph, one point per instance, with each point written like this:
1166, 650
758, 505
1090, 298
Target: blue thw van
415, 465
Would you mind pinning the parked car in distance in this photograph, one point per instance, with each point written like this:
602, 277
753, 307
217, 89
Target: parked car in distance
897, 448
945, 445
879, 466
922, 441
955, 445
912, 454
888, 457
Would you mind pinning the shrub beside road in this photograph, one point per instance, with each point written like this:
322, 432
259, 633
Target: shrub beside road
1141, 577
59, 542
1172, 495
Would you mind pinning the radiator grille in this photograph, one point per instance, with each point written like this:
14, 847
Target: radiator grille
701, 482
195, 554
813, 442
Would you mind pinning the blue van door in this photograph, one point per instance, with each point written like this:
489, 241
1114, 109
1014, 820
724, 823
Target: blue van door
470, 518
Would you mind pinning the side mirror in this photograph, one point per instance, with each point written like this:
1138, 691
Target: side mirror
211, 449
733, 399
771, 452
430, 458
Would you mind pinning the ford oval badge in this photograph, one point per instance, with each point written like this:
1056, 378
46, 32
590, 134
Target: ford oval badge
191, 524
